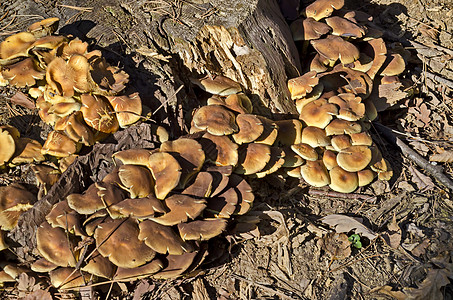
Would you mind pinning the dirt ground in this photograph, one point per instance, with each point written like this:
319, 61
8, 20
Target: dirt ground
412, 214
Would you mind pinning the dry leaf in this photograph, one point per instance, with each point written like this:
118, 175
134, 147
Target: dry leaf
387, 290
142, 288
336, 244
430, 288
38, 295
387, 95
429, 31
446, 156
21, 99
343, 223
422, 181
421, 248
393, 234
424, 113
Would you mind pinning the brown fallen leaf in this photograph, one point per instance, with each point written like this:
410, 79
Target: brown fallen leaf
21, 99
446, 156
422, 181
342, 223
431, 287
387, 290
336, 245
421, 248
142, 288
393, 234
430, 31
387, 95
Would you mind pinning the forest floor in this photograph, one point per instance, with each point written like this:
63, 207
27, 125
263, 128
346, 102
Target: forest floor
411, 215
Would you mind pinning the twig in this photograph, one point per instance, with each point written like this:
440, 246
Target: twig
264, 287
439, 79
435, 171
315, 192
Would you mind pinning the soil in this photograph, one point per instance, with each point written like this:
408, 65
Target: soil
287, 259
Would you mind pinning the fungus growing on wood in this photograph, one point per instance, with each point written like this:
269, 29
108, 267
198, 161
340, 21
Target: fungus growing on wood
23, 73
166, 172
305, 151
250, 128
215, 119
334, 48
322, 8
315, 173
289, 132
300, 86
354, 158
318, 113
343, 181
315, 137
252, 158
219, 150
53, 245
218, 85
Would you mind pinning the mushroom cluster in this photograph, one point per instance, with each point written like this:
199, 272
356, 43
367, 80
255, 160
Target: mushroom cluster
76, 91
152, 215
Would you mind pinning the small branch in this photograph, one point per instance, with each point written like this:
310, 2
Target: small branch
316, 192
435, 171
439, 79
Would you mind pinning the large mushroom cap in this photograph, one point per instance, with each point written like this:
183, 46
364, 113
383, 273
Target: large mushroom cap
138, 207
305, 151
318, 113
300, 86
14, 200
250, 128
343, 181
23, 73
53, 245
100, 266
182, 207
128, 108
44, 27
219, 149
345, 28
315, 173
176, 265
202, 230
334, 48
215, 119
166, 172
322, 8
218, 85
253, 158
16, 45
98, 114
137, 180
354, 158
59, 144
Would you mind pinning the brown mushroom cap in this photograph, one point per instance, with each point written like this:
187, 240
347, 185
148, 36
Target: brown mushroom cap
201, 187
329, 159
312, 96
118, 241
343, 181
276, 162
239, 103
354, 158
270, 131
334, 48
128, 108
377, 50
98, 113
250, 128
14, 200
42, 265
99, 266
305, 151
365, 177
64, 217
27, 151
394, 65
318, 113
340, 142
315, 137
294, 172
16, 45
177, 264
166, 172
7, 146
162, 239
74, 46
133, 156
245, 194
126, 274
224, 204
291, 158
44, 27
138, 207
315, 173
61, 278
351, 107
182, 207
202, 230
319, 63
137, 180
219, 149
76, 129
322, 8
289, 132
109, 80
53, 245
300, 86
361, 138
252, 158
313, 29
48, 43
215, 119
345, 28
96, 197
59, 145
338, 126
218, 85
23, 73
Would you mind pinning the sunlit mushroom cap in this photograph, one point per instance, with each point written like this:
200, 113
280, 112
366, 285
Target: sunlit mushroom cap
315, 173
127, 274
162, 239
109, 80
53, 245
76, 129
343, 181
42, 265
99, 265
96, 197
215, 119
291, 158
338, 126
351, 107
14, 46
305, 151
127, 108
252, 158
294, 172
7, 146
394, 65
67, 278
14, 200
250, 128
300, 86
322, 8
134, 156
218, 85
176, 265
270, 131
166, 172
313, 29
239, 103
329, 158
334, 48
365, 177
362, 138
276, 162
377, 50
182, 207
74, 46
202, 230
315, 137
137, 180
289, 132
345, 28
23, 73
44, 27
354, 158
318, 113
312, 96
201, 187
319, 63
27, 151
64, 217
340, 142
118, 241
59, 144
98, 113
140, 208
48, 43
219, 149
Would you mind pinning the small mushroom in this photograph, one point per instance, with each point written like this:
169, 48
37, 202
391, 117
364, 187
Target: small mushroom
345, 28
354, 158
338, 126
334, 48
42, 265
329, 159
343, 181
7, 146
315, 173
270, 131
99, 266
252, 158
340, 142
127, 274
202, 230
46, 177
182, 207
219, 149
305, 151
27, 151
201, 187
98, 114
315, 137
215, 119
276, 162
394, 65
138, 208
176, 265
351, 107
218, 85
64, 217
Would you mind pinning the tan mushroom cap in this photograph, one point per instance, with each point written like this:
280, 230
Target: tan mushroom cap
53, 245
294, 172
64, 217
219, 149
128, 108
354, 158
134, 156
377, 50
315, 137
250, 128
343, 181
363, 64
319, 63
96, 197
166, 172
23, 73
65, 162
386, 175
239, 103
76, 129
312, 96
126, 274
252, 158
291, 158
351, 107
245, 194
182, 207
162, 239
318, 113
201, 186
42, 265
109, 80
99, 266
361, 138
74, 46
338, 126
98, 114
66, 77
305, 151
300, 86
190, 155
137, 180
61, 278
27, 151
270, 131
16, 45
48, 43
218, 85
176, 265
202, 230
14, 200
329, 159
322, 8
64, 109
138, 208
315, 173
7, 146
215, 119
59, 145
340, 142
365, 177
118, 241
44, 27
334, 48
394, 65
276, 161
224, 204
345, 80
345, 28
313, 29
289, 132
